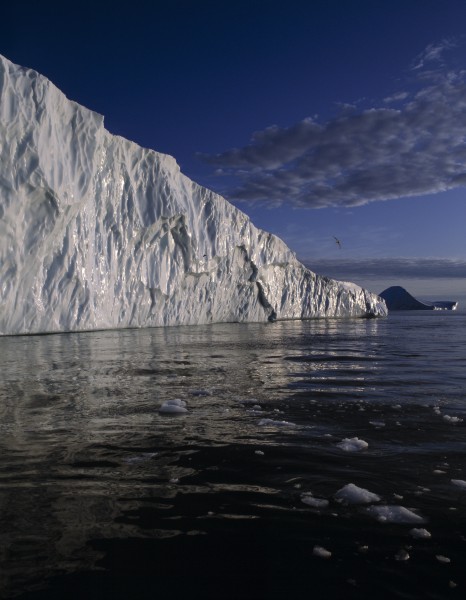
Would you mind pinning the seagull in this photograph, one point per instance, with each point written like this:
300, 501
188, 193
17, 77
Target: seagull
338, 242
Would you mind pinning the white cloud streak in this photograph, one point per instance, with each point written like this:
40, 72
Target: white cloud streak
417, 147
412, 268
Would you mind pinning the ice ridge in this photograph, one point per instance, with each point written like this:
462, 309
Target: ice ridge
97, 232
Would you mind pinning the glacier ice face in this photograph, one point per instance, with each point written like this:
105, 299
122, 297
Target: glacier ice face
97, 232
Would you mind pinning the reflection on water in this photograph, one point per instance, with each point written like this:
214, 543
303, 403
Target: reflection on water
103, 496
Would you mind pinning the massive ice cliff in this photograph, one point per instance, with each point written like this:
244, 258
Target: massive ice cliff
97, 232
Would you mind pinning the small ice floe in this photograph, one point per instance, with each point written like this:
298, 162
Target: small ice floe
352, 494
352, 445
173, 407
438, 472
452, 419
130, 460
377, 424
274, 423
436, 410
459, 483
174, 480
394, 514
402, 555
420, 534
259, 452
309, 499
321, 552
442, 559
398, 497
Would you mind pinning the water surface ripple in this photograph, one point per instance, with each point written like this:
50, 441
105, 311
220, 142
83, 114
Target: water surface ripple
103, 495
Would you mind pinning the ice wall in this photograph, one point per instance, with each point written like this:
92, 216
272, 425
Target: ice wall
97, 232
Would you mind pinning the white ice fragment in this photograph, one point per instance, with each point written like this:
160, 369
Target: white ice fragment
259, 452
352, 444
452, 419
352, 494
459, 483
420, 534
377, 423
173, 407
274, 423
321, 552
174, 480
394, 514
442, 559
402, 554
438, 472
314, 502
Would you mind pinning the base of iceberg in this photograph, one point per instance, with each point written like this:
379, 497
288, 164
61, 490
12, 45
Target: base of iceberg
99, 233
397, 298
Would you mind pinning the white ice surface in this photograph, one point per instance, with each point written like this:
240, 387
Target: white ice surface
352, 494
420, 533
352, 445
175, 406
459, 483
321, 552
309, 499
394, 514
97, 232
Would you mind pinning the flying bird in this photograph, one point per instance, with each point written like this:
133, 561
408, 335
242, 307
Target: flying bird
338, 242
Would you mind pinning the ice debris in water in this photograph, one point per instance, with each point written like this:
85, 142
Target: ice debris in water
377, 424
420, 534
274, 423
452, 419
352, 444
442, 559
352, 494
321, 552
402, 555
394, 514
309, 499
173, 407
460, 483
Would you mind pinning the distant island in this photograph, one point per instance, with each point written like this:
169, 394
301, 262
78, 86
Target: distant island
397, 298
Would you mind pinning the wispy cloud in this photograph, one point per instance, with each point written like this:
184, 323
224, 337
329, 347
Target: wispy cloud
416, 146
389, 268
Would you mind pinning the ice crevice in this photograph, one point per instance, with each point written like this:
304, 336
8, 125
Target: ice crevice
97, 232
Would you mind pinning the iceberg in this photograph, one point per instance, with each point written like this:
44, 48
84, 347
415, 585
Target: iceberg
397, 298
97, 232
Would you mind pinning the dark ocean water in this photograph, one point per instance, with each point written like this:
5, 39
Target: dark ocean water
104, 497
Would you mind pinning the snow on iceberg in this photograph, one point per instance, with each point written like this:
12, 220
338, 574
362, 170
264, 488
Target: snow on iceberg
97, 232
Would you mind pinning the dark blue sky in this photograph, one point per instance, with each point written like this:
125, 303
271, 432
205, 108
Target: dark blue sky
345, 96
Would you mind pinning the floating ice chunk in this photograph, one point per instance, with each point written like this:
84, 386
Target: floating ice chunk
394, 514
402, 555
377, 423
460, 483
420, 534
352, 494
442, 559
452, 419
314, 502
173, 407
259, 452
322, 552
352, 445
274, 423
